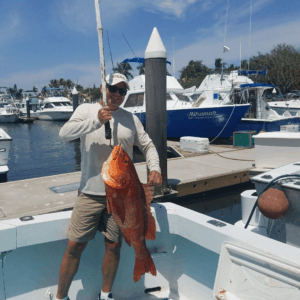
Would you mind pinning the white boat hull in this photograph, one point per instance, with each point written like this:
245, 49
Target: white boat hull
195, 255
9, 118
5, 141
55, 116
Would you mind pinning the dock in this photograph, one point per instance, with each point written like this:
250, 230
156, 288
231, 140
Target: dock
191, 174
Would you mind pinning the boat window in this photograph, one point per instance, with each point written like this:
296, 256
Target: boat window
169, 98
131, 101
135, 100
140, 99
195, 96
183, 97
48, 105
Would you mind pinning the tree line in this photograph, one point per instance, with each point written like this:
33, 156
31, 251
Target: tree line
282, 64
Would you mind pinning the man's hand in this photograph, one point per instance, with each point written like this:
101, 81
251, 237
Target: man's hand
154, 178
104, 115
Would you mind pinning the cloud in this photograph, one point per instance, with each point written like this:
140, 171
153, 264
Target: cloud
80, 15
262, 40
10, 28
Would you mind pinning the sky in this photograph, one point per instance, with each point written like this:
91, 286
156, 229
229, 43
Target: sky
44, 40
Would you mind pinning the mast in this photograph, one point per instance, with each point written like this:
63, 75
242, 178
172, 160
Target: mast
250, 36
225, 49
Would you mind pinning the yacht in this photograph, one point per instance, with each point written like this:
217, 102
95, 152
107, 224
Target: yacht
9, 113
55, 107
234, 88
5, 141
292, 106
183, 117
4, 97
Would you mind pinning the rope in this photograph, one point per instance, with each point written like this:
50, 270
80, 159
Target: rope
225, 124
231, 158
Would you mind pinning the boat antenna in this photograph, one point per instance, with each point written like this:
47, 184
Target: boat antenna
131, 49
225, 49
173, 59
250, 36
112, 62
240, 53
128, 44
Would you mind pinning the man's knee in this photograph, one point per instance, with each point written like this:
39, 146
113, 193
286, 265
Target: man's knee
111, 245
74, 248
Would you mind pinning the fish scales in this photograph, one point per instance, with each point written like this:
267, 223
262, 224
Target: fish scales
129, 202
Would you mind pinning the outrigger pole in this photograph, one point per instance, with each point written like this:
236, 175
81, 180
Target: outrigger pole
102, 64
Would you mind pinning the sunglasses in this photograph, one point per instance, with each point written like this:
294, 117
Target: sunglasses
114, 89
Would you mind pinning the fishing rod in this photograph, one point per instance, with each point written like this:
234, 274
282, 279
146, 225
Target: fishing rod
102, 64
110, 51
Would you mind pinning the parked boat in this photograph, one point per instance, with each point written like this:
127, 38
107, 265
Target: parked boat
196, 256
183, 117
9, 113
234, 88
5, 141
292, 106
55, 107
5, 98
261, 116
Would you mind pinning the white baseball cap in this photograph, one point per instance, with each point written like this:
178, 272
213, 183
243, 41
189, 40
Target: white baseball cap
114, 78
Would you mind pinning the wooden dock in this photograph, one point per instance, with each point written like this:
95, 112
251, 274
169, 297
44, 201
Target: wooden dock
223, 166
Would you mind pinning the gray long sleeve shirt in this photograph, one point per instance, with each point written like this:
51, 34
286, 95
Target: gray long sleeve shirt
95, 148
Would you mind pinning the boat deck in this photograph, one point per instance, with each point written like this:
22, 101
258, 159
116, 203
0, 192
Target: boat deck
187, 175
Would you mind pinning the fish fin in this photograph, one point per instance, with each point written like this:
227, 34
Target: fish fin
151, 226
127, 240
143, 266
148, 190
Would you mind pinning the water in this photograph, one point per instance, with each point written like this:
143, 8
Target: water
37, 151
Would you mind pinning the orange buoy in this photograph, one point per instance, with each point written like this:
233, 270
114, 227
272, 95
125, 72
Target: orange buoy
273, 203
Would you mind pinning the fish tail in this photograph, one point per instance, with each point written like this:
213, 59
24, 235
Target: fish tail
143, 264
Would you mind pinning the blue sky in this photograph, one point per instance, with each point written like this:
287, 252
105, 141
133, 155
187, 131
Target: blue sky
43, 40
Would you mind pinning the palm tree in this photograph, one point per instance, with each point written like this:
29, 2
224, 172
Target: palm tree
69, 83
124, 69
141, 69
54, 83
62, 82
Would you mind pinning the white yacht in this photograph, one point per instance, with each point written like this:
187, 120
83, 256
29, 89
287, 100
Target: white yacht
5, 141
292, 106
183, 117
236, 89
55, 107
9, 113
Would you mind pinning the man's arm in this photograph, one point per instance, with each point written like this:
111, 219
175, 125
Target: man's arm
145, 144
82, 122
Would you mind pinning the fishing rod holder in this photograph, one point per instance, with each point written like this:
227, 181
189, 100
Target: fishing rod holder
166, 195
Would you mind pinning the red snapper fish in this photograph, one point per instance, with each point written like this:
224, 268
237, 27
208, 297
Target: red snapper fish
129, 202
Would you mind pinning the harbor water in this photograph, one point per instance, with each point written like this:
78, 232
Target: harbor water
38, 151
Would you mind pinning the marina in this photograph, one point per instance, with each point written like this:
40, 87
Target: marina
220, 143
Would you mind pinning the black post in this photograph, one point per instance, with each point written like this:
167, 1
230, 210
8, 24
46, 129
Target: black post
75, 98
27, 108
156, 107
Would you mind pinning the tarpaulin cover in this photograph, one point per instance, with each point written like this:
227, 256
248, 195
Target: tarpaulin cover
251, 72
137, 59
250, 85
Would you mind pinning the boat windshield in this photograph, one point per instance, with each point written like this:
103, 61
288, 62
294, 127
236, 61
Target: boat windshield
61, 103
183, 97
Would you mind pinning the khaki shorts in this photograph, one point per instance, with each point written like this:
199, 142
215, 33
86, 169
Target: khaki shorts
88, 216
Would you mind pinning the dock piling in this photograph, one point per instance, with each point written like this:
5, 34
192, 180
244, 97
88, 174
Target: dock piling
75, 98
27, 108
156, 110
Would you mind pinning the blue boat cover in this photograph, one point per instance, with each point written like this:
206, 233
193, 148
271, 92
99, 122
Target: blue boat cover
137, 59
250, 85
53, 89
251, 72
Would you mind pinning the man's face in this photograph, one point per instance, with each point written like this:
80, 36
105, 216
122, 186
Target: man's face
114, 100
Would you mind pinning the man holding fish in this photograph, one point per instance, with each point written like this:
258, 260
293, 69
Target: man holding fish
90, 212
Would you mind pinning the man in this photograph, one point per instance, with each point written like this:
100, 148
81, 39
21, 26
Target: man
87, 122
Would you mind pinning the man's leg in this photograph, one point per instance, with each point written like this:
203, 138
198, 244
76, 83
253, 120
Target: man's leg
110, 264
69, 267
